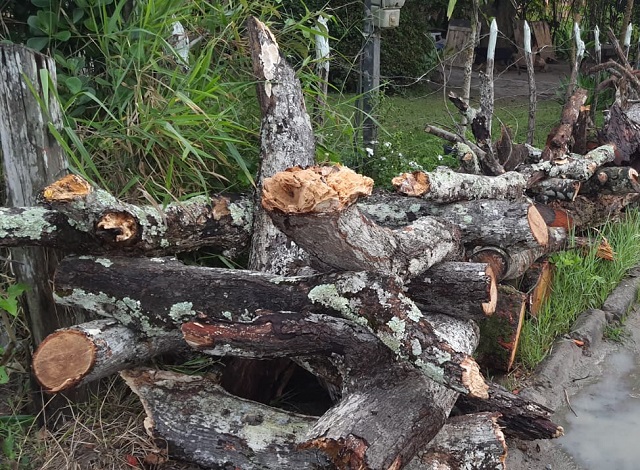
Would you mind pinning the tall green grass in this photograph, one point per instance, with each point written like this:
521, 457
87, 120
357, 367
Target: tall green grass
581, 281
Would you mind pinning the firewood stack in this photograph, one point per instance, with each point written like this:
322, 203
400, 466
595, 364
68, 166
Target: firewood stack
381, 298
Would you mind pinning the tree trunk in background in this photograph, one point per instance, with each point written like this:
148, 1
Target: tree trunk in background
32, 160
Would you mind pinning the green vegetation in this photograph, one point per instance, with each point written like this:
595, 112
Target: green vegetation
581, 281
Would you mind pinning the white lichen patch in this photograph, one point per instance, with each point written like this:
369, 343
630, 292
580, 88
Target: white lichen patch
30, 224
430, 370
390, 341
413, 312
241, 215
104, 262
398, 327
416, 347
328, 296
228, 315
181, 312
353, 284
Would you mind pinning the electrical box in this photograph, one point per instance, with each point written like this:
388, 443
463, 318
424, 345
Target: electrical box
394, 4
386, 18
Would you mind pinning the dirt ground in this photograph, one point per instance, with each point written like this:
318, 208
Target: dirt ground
509, 84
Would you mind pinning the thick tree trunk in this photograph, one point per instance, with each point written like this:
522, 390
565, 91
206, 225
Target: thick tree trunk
314, 207
439, 289
203, 423
519, 418
445, 185
475, 440
144, 295
75, 356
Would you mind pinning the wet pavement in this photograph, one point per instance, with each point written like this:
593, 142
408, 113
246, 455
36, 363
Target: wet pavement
596, 394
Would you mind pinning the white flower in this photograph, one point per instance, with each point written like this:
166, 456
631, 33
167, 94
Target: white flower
387, 144
369, 151
399, 154
440, 157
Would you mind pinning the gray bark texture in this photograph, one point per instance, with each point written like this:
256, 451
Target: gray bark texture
31, 160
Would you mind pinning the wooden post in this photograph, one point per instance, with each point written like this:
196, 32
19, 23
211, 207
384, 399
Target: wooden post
32, 160
528, 57
598, 51
322, 70
578, 60
627, 40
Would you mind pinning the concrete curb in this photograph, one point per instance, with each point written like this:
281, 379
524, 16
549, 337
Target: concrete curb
554, 373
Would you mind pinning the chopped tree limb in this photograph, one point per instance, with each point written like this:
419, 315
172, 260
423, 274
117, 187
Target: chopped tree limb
314, 208
622, 129
612, 180
494, 222
520, 418
143, 295
554, 189
469, 162
595, 211
445, 185
577, 167
83, 353
474, 439
438, 290
200, 421
451, 137
559, 138
286, 140
103, 223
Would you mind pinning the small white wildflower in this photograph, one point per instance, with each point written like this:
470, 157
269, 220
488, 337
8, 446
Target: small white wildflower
440, 157
387, 144
369, 151
399, 154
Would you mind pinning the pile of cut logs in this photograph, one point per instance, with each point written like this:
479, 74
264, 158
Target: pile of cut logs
378, 295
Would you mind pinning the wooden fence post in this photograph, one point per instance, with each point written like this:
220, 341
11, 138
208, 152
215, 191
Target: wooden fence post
32, 159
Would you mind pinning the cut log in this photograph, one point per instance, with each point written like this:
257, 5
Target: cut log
286, 140
499, 335
536, 283
469, 441
623, 130
365, 429
445, 185
494, 222
577, 167
75, 356
612, 180
555, 217
554, 189
103, 223
314, 208
145, 295
596, 211
203, 423
438, 290
559, 138
513, 262
519, 418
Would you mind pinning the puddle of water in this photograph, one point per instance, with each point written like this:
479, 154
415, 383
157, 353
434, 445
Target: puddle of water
605, 434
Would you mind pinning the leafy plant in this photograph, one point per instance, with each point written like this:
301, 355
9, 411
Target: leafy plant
8, 313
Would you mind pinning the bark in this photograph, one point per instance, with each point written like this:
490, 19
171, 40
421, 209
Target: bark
145, 295
623, 130
203, 423
89, 220
513, 263
314, 208
555, 217
509, 154
75, 356
365, 429
445, 185
577, 167
493, 222
500, 334
451, 137
593, 212
438, 290
287, 140
554, 189
465, 442
32, 158
612, 180
580, 145
559, 138
520, 418
469, 162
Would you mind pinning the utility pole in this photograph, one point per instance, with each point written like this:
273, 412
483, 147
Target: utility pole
369, 79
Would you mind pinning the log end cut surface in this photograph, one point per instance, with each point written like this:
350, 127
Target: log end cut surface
538, 226
63, 359
317, 189
489, 307
66, 189
472, 378
412, 184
